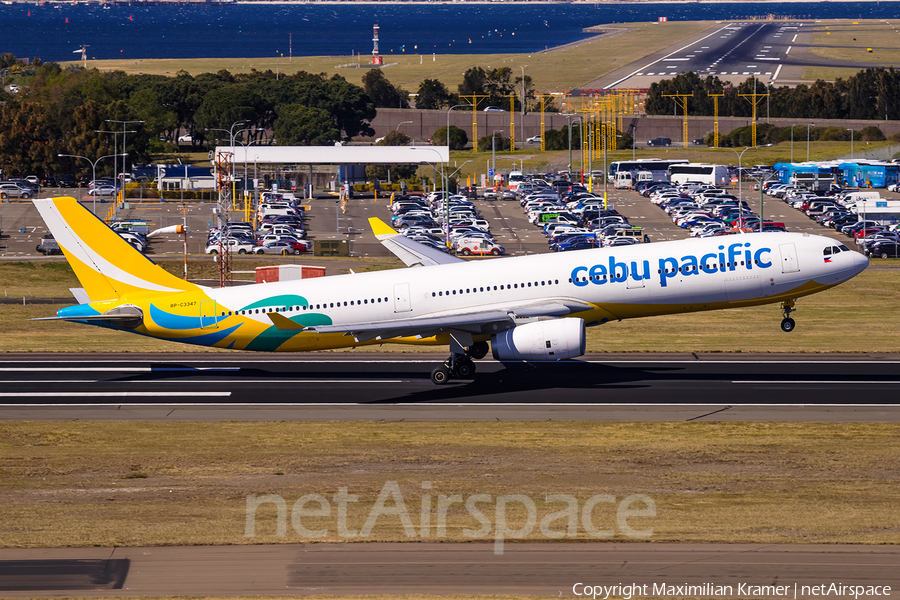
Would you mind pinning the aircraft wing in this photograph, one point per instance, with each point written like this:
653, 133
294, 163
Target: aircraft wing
476, 322
411, 252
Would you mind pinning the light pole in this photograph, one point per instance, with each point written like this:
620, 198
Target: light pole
403, 123
807, 140
447, 131
447, 204
568, 117
851, 144
792, 142
522, 108
444, 185
125, 131
231, 136
494, 151
93, 169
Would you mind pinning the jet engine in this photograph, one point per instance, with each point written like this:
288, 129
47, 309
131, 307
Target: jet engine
544, 340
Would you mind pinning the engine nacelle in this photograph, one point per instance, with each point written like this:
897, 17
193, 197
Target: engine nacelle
545, 340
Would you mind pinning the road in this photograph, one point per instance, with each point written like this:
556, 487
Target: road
465, 569
384, 386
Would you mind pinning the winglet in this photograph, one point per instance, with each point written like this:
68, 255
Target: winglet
381, 229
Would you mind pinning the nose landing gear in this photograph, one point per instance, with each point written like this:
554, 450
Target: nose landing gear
787, 323
459, 365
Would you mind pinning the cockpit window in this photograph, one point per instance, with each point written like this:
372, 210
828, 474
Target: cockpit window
844, 248
827, 251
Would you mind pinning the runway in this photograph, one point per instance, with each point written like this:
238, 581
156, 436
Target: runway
465, 569
385, 386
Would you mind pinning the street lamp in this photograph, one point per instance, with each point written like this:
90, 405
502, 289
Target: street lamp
403, 123
494, 150
444, 184
740, 188
93, 168
807, 140
447, 204
447, 131
522, 108
568, 117
231, 136
792, 142
125, 131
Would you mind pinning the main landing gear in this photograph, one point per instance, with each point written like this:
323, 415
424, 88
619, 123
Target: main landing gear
787, 307
459, 365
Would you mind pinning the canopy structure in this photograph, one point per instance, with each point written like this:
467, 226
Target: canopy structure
333, 155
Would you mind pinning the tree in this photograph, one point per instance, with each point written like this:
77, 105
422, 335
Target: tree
501, 143
382, 92
495, 84
299, 125
458, 137
433, 94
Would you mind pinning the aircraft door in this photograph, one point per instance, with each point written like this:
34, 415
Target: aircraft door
401, 298
789, 262
208, 315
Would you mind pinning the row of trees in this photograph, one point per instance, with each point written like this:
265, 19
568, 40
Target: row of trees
870, 94
66, 111
494, 87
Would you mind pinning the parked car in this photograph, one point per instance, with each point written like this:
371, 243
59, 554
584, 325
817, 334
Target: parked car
284, 247
48, 245
884, 249
12, 190
103, 190
235, 246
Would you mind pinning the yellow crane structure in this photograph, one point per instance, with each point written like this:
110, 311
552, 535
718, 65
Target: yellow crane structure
715, 98
474, 99
754, 99
682, 101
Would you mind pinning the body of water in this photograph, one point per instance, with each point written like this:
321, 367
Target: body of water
54, 32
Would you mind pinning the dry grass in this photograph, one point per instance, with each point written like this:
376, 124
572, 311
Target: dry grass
557, 70
149, 483
849, 40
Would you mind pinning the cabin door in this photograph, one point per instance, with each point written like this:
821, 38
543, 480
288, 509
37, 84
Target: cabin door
401, 298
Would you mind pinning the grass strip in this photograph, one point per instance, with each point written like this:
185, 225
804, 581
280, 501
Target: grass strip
151, 483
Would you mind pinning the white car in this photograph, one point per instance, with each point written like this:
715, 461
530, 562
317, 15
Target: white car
235, 246
185, 139
536, 139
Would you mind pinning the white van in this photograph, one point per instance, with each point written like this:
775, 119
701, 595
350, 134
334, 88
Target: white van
624, 180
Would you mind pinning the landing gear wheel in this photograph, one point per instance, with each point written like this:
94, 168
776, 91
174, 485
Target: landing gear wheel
440, 375
787, 307
465, 368
478, 350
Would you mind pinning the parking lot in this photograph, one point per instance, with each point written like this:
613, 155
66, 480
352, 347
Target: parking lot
22, 227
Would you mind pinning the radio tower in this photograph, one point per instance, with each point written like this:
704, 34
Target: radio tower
376, 58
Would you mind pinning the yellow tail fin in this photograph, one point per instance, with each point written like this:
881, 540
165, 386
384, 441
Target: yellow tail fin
106, 265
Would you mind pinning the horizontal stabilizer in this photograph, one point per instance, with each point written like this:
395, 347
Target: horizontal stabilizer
411, 252
283, 323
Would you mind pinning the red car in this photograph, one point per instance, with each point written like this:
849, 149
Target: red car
866, 231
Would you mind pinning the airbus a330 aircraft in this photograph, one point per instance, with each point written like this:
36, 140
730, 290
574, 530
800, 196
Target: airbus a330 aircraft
531, 308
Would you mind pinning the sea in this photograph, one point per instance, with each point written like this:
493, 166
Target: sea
56, 31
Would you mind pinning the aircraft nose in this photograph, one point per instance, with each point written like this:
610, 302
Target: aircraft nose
860, 262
